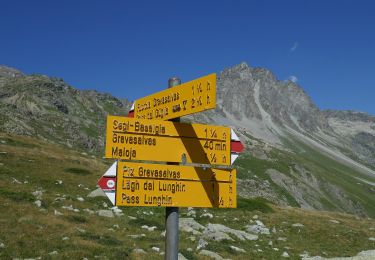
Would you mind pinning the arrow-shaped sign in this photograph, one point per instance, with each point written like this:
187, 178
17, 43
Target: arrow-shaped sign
236, 146
188, 98
153, 140
108, 182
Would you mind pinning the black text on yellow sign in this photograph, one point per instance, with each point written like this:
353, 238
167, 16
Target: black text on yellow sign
156, 140
174, 186
188, 98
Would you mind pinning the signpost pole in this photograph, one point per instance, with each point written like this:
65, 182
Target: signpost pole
171, 213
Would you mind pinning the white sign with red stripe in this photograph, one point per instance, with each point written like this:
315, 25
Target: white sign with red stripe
236, 146
108, 182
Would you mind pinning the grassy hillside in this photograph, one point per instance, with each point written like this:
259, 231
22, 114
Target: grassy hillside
66, 225
305, 177
50, 109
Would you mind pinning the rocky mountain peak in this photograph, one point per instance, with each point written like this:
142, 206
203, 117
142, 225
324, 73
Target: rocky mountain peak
242, 70
7, 72
258, 94
243, 66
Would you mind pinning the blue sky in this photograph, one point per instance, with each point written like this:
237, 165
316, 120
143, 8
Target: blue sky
131, 48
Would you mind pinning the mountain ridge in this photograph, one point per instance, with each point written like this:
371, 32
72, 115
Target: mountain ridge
284, 133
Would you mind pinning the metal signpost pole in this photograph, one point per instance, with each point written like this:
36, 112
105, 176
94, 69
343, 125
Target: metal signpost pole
171, 213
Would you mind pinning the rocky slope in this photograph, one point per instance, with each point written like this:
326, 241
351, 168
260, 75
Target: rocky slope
298, 154
50, 109
354, 133
253, 99
295, 155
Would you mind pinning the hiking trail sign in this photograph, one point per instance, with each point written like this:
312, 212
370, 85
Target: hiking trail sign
188, 98
146, 135
140, 184
154, 140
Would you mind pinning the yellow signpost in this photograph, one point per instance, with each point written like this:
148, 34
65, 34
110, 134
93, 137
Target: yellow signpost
140, 184
150, 137
156, 140
188, 98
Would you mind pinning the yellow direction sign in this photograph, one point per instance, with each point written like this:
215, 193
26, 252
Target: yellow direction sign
188, 98
174, 186
166, 141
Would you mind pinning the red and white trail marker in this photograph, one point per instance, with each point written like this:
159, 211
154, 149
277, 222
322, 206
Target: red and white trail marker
236, 147
131, 111
108, 182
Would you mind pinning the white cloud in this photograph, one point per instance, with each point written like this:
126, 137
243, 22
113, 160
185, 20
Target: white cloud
294, 47
293, 79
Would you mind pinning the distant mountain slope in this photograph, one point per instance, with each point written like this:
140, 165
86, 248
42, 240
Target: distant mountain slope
253, 99
355, 134
296, 154
50, 109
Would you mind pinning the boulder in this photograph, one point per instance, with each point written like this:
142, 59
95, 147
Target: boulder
137, 236
237, 249
149, 228
220, 232
80, 199
117, 211
207, 215
190, 225
181, 257
139, 251
191, 212
89, 211
38, 194
58, 213
97, 193
258, 228
106, 213
156, 249
216, 235
202, 244
211, 254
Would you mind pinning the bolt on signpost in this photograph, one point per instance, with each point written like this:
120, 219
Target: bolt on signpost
143, 136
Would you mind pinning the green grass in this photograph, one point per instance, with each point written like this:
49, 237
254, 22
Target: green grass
16, 196
333, 172
259, 167
146, 221
91, 131
30, 232
325, 170
77, 219
101, 239
257, 204
13, 142
78, 171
